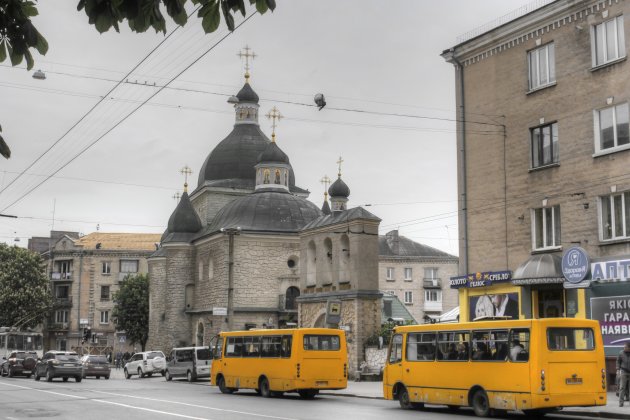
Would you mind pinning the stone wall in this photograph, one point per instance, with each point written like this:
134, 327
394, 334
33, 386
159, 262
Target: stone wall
375, 358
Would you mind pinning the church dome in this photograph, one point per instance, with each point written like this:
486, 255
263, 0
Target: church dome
266, 211
183, 220
339, 189
273, 153
247, 94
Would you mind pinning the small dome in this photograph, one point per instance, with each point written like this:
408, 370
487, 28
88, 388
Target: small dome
339, 189
266, 211
273, 153
326, 208
247, 94
184, 219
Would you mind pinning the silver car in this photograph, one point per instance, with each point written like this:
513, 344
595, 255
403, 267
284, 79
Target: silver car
146, 363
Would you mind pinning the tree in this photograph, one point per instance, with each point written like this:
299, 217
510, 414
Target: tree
25, 298
131, 308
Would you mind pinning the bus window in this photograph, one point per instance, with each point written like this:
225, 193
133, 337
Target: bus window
421, 346
490, 345
234, 347
218, 347
321, 342
453, 345
395, 349
285, 350
519, 345
251, 346
271, 346
569, 339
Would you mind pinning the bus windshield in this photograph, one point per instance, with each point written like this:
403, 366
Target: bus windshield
570, 339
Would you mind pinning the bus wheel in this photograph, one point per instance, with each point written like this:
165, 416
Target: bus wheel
405, 402
307, 394
224, 389
480, 403
263, 385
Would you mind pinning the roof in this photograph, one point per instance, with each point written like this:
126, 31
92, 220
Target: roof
539, 269
184, 218
247, 94
113, 241
398, 310
326, 208
354, 213
273, 154
339, 189
393, 245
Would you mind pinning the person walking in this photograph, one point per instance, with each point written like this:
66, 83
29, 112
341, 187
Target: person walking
623, 371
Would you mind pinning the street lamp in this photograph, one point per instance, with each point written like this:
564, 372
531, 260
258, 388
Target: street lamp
40, 75
230, 232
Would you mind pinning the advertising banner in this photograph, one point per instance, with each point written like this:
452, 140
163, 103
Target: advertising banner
613, 314
482, 279
500, 304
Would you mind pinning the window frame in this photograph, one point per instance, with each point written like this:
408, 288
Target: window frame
389, 273
625, 213
598, 130
550, 60
620, 47
106, 268
410, 270
104, 315
61, 316
557, 242
105, 298
410, 294
428, 292
553, 146
136, 261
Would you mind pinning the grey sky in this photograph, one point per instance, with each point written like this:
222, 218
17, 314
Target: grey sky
360, 54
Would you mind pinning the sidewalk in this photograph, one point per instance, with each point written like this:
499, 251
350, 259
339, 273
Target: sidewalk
611, 410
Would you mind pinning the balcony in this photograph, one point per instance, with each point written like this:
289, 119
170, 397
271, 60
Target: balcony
58, 326
432, 283
430, 306
56, 276
63, 302
285, 305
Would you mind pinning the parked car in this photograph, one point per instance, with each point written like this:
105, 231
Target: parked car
18, 363
95, 365
189, 362
59, 364
146, 363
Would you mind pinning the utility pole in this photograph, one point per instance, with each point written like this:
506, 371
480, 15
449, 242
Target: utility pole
230, 232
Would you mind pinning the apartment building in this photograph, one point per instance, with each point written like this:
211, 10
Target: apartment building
543, 165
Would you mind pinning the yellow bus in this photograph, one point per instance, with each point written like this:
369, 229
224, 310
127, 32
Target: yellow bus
535, 366
303, 360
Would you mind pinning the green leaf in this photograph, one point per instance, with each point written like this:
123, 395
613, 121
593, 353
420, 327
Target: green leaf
42, 44
103, 23
16, 58
3, 53
29, 9
212, 19
271, 4
29, 60
261, 6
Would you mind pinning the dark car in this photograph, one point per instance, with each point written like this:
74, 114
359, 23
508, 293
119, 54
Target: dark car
97, 366
19, 363
59, 364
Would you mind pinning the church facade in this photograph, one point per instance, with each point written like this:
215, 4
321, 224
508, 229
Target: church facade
246, 249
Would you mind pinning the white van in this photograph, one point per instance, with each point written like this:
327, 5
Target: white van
191, 363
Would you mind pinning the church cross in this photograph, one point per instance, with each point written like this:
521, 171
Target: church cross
247, 55
186, 171
274, 114
339, 162
326, 181
177, 196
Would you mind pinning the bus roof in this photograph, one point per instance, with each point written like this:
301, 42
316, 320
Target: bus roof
284, 331
518, 323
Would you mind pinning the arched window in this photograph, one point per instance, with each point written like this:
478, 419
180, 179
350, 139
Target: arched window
344, 259
210, 269
327, 274
189, 296
290, 296
200, 276
311, 260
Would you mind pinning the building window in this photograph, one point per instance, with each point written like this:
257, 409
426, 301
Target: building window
128, 266
608, 41
433, 295
390, 273
430, 273
61, 317
107, 267
408, 273
104, 317
546, 227
544, 145
542, 66
62, 292
611, 127
104, 292
615, 216
408, 297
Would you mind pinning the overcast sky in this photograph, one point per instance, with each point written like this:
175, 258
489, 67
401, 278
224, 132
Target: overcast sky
363, 55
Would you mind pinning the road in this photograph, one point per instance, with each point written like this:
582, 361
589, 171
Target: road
154, 398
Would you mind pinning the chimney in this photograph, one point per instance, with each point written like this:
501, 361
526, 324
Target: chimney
392, 241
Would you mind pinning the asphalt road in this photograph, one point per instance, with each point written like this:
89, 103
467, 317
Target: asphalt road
154, 398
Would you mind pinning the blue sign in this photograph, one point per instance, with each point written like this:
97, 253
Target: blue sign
484, 279
575, 265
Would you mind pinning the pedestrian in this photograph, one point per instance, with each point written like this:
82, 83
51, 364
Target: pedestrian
623, 372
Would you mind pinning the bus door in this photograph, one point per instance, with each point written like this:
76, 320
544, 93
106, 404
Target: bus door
323, 358
216, 346
394, 361
574, 364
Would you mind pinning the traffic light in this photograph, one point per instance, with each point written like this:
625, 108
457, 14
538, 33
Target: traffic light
87, 334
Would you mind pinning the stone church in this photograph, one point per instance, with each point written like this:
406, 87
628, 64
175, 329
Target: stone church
247, 249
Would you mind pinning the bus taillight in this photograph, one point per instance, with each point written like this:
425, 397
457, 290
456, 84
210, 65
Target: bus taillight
542, 380
345, 370
298, 370
603, 378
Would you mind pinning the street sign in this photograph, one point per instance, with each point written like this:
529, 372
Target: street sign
122, 339
219, 311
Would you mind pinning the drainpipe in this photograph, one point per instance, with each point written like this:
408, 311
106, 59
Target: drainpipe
79, 299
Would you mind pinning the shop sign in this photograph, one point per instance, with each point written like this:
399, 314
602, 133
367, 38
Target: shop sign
611, 270
482, 279
613, 314
575, 265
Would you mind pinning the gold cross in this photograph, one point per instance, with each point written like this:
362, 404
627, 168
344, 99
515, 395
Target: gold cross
339, 162
186, 171
177, 196
326, 181
274, 114
247, 55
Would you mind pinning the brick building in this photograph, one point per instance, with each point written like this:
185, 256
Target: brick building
543, 158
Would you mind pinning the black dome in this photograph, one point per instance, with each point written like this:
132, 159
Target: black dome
266, 211
326, 208
339, 189
184, 219
273, 154
247, 94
